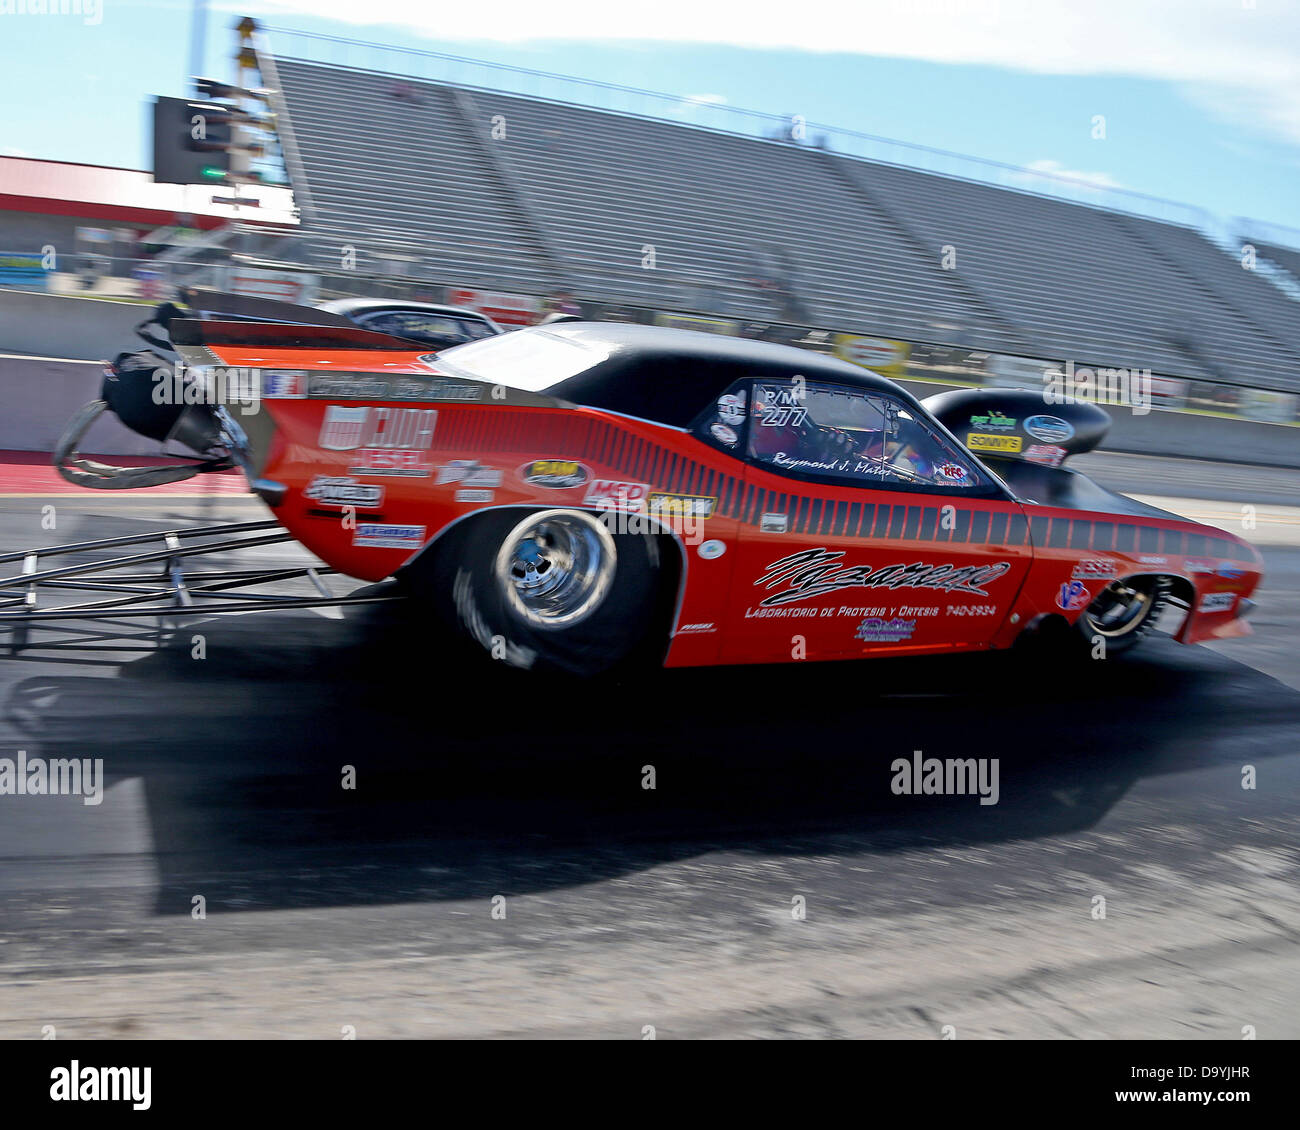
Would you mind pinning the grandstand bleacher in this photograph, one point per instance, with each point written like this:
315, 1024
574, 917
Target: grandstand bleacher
529, 195
1287, 258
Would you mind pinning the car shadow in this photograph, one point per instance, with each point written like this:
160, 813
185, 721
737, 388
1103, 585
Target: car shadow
471, 778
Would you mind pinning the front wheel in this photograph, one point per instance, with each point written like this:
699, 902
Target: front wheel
552, 590
1124, 612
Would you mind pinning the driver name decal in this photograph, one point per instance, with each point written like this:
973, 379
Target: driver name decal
814, 572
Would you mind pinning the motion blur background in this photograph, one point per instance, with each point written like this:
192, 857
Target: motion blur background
952, 192
406, 167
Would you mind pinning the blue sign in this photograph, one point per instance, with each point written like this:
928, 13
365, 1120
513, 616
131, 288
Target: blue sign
19, 268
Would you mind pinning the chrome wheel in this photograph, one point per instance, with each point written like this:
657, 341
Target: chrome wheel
555, 568
1123, 608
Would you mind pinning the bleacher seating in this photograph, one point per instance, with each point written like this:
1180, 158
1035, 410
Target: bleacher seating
1288, 258
569, 196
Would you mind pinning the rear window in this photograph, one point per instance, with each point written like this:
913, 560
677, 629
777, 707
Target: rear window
529, 361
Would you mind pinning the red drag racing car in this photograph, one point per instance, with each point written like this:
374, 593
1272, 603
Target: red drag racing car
579, 496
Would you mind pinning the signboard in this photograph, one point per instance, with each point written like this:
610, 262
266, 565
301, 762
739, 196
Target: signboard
285, 286
21, 268
152, 283
880, 355
723, 326
1168, 393
508, 309
1267, 407
1005, 371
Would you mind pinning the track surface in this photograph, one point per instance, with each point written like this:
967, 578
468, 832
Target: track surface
672, 908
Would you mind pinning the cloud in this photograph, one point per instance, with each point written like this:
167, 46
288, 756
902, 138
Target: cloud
1243, 55
1052, 168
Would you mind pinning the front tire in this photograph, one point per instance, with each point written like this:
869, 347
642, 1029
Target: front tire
551, 591
1124, 612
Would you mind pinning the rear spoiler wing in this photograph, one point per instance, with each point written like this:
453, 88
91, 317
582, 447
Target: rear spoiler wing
286, 335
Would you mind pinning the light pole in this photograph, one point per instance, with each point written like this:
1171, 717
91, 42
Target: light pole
198, 37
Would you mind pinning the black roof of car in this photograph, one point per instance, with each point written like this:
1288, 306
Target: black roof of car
671, 375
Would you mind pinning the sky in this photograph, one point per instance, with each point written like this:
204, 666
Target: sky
1198, 100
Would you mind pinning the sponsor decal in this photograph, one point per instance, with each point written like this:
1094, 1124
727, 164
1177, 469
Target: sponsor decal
362, 386
904, 611
1152, 559
1073, 596
875, 629
439, 388
347, 386
469, 472
982, 441
379, 535
994, 422
1094, 569
712, 549
1218, 601
474, 495
1197, 565
724, 434
1045, 454
972, 610
612, 494
731, 408
781, 459
1231, 572
343, 428
383, 461
774, 523
814, 572
954, 472
347, 429
696, 629
283, 384
554, 474
1050, 429
682, 505
781, 408
341, 490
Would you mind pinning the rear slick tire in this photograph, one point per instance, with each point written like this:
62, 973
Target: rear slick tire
551, 591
